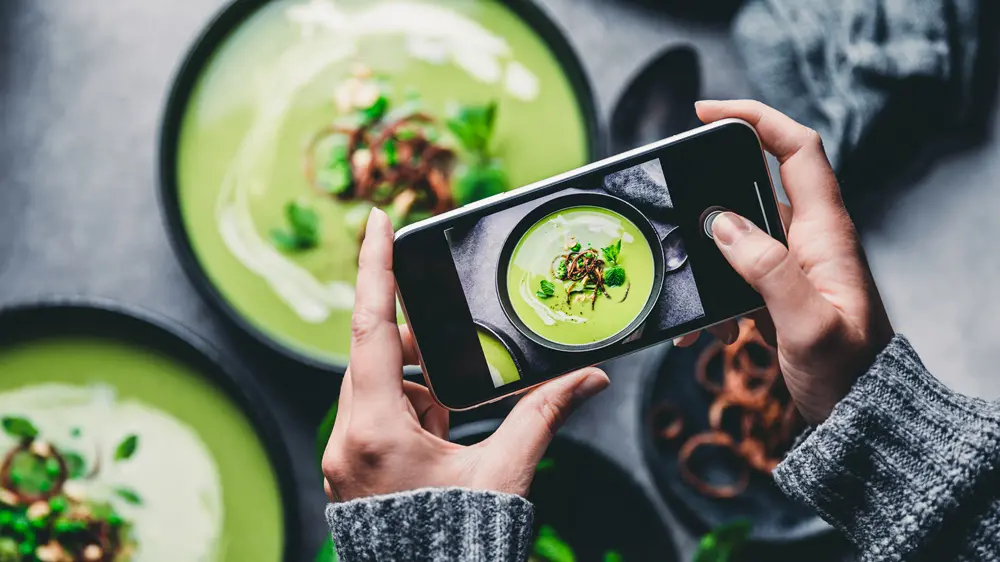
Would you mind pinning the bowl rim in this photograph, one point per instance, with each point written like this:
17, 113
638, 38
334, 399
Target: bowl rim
185, 79
32, 320
565, 202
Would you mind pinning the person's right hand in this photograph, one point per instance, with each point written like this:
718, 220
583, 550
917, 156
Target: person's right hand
823, 311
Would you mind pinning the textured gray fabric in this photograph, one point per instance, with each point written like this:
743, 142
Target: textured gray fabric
439, 524
907, 469
837, 65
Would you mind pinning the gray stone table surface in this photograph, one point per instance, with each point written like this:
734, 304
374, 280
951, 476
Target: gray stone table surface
82, 86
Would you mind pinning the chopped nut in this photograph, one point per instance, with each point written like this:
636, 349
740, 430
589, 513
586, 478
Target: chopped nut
74, 491
361, 158
92, 552
343, 96
8, 498
41, 448
38, 510
366, 96
51, 552
361, 70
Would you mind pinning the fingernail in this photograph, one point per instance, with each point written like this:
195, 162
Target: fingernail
591, 386
728, 227
376, 219
704, 103
677, 341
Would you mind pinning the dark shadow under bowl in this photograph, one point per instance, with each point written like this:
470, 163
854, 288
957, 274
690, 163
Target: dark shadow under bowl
563, 202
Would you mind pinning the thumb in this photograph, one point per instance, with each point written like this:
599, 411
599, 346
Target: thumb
533, 422
772, 271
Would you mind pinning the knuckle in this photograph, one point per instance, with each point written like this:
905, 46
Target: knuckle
766, 262
550, 415
811, 138
334, 467
364, 323
367, 446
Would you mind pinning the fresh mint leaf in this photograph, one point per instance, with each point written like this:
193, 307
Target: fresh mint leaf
546, 289
19, 427
550, 547
478, 180
614, 276
613, 556
724, 543
335, 178
472, 126
127, 448
303, 233
545, 465
76, 466
376, 110
575, 247
129, 495
612, 252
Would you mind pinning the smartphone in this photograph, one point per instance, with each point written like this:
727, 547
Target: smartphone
517, 289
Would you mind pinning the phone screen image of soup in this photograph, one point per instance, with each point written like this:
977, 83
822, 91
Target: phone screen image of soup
583, 268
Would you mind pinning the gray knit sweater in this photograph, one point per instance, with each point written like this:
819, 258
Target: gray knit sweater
905, 468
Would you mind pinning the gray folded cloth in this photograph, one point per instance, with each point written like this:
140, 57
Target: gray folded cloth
837, 65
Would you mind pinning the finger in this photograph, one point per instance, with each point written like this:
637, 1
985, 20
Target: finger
432, 417
785, 212
762, 319
533, 422
410, 355
687, 339
766, 264
806, 174
727, 331
376, 351
342, 420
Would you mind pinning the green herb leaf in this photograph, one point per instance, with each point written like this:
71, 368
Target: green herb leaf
376, 110
19, 427
127, 447
611, 252
613, 556
478, 180
548, 546
76, 465
75, 432
391, 154
129, 495
545, 465
724, 543
304, 231
546, 289
336, 178
614, 276
472, 126
575, 247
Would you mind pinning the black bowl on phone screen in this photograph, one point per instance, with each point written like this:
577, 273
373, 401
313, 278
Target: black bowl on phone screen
565, 229
587, 508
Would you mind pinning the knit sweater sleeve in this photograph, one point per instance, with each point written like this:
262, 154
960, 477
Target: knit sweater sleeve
433, 524
905, 468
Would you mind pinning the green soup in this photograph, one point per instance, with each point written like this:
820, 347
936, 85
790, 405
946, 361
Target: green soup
579, 317
270, 87
502, 368
200, 485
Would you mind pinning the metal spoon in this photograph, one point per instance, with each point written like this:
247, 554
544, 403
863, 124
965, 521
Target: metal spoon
674, 254
658, 102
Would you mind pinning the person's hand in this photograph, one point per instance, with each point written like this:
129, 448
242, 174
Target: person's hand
823, 311
390, 435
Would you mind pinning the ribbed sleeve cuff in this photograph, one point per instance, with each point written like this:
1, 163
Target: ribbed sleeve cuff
433, 524
896, 457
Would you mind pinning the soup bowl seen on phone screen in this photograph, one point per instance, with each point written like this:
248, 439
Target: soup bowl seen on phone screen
580, 276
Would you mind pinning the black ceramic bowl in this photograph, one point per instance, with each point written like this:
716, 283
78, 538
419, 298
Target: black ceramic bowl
775, 517
609, 202
591, 503
55, 318
197, 59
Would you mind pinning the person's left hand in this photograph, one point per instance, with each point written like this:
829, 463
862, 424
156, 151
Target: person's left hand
390, 435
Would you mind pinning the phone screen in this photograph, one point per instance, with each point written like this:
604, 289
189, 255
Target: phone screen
601, 262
